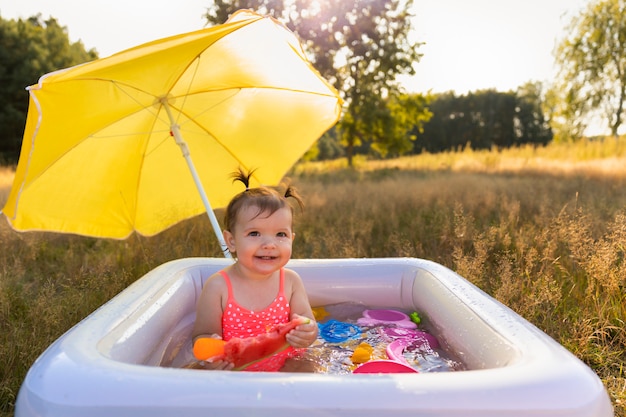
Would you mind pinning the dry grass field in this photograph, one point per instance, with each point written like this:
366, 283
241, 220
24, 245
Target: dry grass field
542, 230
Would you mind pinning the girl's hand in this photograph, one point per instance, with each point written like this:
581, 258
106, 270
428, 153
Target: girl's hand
304, 334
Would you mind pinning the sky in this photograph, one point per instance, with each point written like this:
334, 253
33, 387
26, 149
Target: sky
469, 44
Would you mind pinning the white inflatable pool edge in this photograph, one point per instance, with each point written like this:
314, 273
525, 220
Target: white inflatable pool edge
106, 364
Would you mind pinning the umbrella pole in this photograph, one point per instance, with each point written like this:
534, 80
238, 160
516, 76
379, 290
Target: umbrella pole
185, 150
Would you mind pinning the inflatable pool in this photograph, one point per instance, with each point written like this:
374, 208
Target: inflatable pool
107, 365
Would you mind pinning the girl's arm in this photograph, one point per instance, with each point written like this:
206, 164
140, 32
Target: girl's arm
305, 334
209, 316
209, 309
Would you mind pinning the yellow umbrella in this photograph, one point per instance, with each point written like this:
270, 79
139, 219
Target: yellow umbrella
101, 154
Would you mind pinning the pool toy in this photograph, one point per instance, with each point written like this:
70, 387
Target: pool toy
415, 317
374, 317
395, 350
320, 313
362, 353
414, 336
208, 348
127, 358
243, 352
383, 366
335, 331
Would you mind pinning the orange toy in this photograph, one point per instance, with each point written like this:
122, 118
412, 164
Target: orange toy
208, 347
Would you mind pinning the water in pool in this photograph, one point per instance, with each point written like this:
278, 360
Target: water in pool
350, 335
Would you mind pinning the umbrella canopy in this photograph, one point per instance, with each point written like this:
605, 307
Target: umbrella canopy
101, 154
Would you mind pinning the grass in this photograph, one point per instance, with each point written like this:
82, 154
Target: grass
542, 230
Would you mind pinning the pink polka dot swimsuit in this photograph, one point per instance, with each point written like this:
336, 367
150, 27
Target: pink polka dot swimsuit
238, 321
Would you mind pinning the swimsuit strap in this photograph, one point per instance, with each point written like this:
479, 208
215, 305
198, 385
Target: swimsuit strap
281, 285
228, 284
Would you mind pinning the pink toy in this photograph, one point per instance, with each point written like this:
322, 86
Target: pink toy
416, 337
374, 317
383, 367
407, 337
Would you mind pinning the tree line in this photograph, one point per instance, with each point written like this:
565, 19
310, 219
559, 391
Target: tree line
361, 47
484, 120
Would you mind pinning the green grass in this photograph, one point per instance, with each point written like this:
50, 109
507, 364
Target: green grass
542, 230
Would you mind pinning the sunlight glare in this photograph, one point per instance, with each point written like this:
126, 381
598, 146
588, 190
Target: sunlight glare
313, 8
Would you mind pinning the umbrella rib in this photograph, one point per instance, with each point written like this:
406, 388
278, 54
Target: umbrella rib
191, 119
193, 77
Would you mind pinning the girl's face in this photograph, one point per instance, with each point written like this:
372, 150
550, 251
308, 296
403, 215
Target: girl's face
262, 243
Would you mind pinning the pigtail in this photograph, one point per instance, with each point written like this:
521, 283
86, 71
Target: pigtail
290, 191
241, 176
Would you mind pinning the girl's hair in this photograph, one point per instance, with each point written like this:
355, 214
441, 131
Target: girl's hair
266, 199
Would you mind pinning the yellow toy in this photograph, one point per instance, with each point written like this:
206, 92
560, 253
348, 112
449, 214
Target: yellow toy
362, 353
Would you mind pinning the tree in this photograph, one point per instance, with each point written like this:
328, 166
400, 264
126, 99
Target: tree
327, 147
360, 46
29, 49
592, 60
566, 125
399, 126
